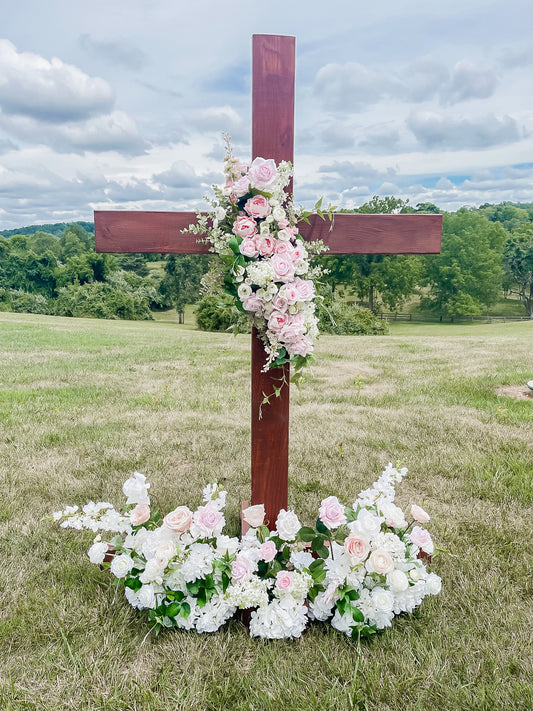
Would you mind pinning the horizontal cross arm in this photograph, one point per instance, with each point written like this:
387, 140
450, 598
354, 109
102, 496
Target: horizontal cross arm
120, 231
359, 233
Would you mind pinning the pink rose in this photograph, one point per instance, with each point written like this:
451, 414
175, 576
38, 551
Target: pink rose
209, 519
284, 580
268, 551
254, 515
357, 547
299, 252
302, 346
241, 186
241, 568
381, 562
284, 248
290, 333
263, 174
418, 513
253, 303
178, 520
276, 321
266, 245
244, 226
258, 206
282, 266
283, 224
290, 292
331, 513
280, 303
140, 514
421, 538
329, 595
305, 289
248, 248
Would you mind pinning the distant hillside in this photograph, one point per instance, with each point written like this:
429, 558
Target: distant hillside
57, 229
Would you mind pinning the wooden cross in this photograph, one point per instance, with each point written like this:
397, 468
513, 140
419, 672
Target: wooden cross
160, 232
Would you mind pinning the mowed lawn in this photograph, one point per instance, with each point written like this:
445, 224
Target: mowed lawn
84, 403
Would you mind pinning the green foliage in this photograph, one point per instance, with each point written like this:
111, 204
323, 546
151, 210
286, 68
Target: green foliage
467, 275
22, 302
217, 313
181, 283
343, 319
518, 263
509, 215
99, 300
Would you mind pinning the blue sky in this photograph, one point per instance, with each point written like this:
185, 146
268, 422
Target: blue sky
115, 104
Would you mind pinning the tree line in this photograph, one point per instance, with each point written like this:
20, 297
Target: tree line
486, 252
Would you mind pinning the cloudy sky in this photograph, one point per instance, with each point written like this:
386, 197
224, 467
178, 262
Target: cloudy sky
114, 104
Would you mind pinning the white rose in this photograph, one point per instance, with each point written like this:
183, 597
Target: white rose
97, 552
433, 584
146, 597
220, 213
367, 524
121, 565
419, 515
287, 525
382, 599
397, 580
136, 489
244, 290
153, 570
278, 213
228, 545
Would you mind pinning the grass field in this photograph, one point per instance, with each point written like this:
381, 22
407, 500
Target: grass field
83, 403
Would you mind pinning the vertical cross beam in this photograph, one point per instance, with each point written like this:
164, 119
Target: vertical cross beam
272, 137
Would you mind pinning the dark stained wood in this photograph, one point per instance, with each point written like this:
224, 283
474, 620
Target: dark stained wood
160, 232
376, 234
270, 436
273, 97
272, 137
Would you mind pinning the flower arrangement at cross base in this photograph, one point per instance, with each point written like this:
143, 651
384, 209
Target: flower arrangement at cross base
358, 567
252, 226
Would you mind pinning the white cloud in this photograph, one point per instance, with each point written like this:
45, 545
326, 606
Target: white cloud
119, 52
448, 132
50, 91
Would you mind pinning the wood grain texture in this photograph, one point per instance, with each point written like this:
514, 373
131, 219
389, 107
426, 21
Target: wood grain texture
120, 231
272, 137
270, 435
273, 97
376, 234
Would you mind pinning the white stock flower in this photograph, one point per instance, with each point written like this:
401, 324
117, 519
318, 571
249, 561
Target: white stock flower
136, 489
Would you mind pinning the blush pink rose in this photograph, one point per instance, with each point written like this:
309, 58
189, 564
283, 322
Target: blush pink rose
244, 226
241, 568
263, 174
302, 346
290, 292
357, 547
291, 332
418, 513
178, 520
299, 252
421, 538
268, 551
277, 320
266, 246
330, 593
283, 224
257, 206
332, 513
284, 581
282, 266
254, 515
208, 519
284, 248
253, 303
280, 303
305, 289
248, 248
381, 562
140, 514
241, 186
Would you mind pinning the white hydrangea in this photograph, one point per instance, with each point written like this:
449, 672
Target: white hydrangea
280, 619
249, 593
198, 563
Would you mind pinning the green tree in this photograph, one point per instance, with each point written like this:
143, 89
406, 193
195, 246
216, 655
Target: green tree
394, 277
181, 283
41, 242
467, 274
518, 262
509, 215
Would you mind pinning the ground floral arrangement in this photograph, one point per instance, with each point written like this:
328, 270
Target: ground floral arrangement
359, 567
252, 226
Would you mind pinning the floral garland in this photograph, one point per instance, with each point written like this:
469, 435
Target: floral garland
252, 225
358, 567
